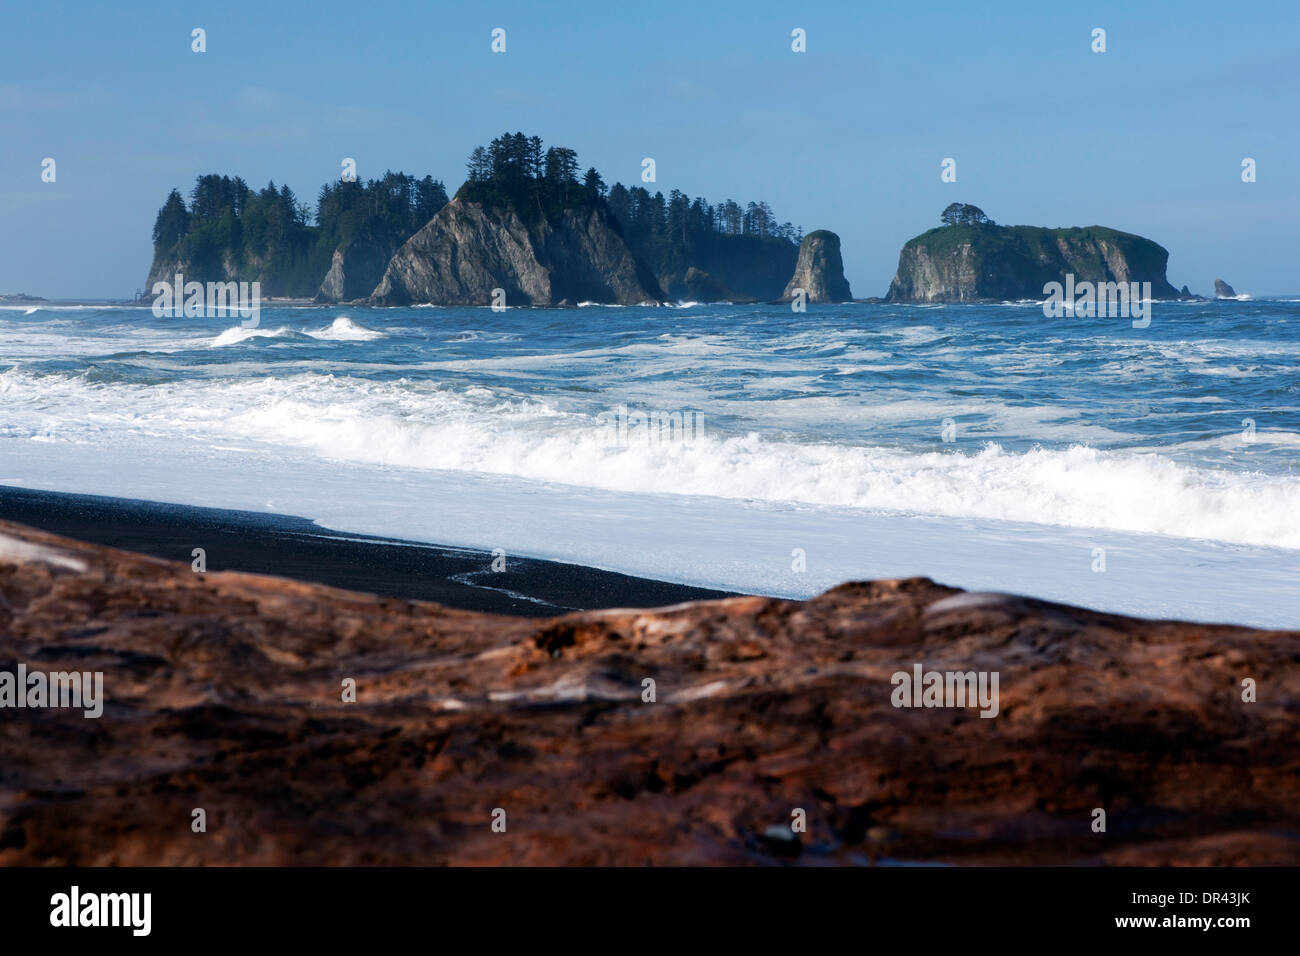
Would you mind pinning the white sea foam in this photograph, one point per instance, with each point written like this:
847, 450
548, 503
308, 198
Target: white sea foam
343, 329
237, 334
48, 307
424, 426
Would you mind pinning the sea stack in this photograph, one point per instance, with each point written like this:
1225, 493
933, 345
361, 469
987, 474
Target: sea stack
1223, 291
819, 271
979, 261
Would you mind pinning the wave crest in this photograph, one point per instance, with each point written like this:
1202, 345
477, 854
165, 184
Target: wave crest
344, 329
422, 425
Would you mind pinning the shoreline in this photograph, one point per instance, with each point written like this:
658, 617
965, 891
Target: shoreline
292, 547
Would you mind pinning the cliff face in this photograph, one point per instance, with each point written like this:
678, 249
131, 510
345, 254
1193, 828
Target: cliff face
214, 268
819, 270
973, 263
223, 691
468, 249
355, 271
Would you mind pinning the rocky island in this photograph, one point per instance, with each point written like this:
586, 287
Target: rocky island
972, 259
525, 222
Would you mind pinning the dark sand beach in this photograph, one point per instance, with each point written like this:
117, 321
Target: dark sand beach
291, 547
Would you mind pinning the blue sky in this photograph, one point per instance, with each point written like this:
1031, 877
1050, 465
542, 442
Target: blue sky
1147, 137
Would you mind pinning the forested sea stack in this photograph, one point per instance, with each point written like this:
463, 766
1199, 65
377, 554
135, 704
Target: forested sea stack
526, 227
525, 223
972, 259
231, 232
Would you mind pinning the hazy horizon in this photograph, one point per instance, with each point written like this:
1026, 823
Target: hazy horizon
1147, 137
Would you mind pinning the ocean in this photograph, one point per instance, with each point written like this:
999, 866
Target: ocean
1147, 471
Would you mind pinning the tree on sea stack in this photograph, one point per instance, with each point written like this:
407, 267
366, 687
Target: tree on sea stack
173, 221
561, 165
479, 167
594, 184
964, 214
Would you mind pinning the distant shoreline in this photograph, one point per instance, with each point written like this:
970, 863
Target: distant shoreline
274, 302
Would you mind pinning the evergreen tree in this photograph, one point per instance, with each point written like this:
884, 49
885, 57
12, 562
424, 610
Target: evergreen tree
173, 221
479, 166
561, 166
535, 157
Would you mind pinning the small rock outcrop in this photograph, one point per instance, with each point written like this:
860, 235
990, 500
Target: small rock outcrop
224, 690
1223, 291
470, 249
982, 262
819, 270
731, 268
703, 287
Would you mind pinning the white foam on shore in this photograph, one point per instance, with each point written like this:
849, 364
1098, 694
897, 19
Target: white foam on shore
710, 542
424, 427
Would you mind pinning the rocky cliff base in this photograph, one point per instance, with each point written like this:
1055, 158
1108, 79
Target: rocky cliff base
469, 251
223, 692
